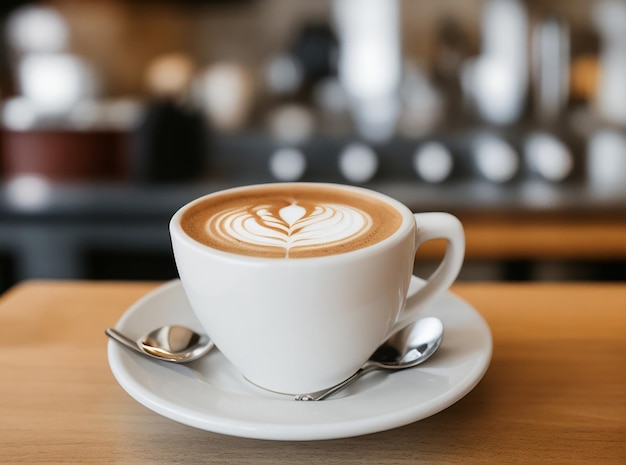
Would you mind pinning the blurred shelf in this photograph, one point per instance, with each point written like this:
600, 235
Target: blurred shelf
51, 231
41, 200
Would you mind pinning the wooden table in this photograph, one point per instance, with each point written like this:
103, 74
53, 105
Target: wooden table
555, 391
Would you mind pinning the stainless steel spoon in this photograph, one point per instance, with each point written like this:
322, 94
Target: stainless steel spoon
405, 349
174, 343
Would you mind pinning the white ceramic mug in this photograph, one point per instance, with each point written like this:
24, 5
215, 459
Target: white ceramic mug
295, 324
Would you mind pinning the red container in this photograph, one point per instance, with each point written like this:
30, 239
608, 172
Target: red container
65, 155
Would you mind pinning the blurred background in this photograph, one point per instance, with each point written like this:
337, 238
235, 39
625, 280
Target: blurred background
510, 114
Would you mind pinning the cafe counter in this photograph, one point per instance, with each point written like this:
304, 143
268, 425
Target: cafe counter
553, 391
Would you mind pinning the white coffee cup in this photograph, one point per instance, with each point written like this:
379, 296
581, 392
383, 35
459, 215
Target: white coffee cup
297, 323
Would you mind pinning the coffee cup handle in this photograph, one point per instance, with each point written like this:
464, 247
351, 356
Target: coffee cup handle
435, 226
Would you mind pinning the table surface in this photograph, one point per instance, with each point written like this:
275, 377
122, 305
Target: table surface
555, 391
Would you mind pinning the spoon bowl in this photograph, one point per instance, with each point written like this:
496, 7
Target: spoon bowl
172, 343
407, 348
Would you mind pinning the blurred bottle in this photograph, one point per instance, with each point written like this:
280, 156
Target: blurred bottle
171, 140
497, 80
370, 64
606, 160
610, 20
226, 92
551, 67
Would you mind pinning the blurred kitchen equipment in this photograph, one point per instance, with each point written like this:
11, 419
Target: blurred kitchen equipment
550, 67
47, 75
606, 160
53, 127
498, 78
370, 63
610, 19
226, 91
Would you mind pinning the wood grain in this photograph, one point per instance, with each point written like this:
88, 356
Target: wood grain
555, 391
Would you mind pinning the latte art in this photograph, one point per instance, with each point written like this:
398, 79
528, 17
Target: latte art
290, 220
290, 226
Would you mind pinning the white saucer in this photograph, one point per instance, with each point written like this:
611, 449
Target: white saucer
210, 394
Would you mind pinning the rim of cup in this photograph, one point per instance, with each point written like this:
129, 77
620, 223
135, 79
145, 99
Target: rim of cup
408, 222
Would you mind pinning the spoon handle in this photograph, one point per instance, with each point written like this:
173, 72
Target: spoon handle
119, 337
338, 387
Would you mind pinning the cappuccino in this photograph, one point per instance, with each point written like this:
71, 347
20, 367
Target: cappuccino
241, 256
290, 220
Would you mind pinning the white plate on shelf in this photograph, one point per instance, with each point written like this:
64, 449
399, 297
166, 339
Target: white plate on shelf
210, 394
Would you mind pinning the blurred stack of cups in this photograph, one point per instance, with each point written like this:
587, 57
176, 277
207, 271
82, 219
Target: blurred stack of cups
57, 126
51, 81
56, 88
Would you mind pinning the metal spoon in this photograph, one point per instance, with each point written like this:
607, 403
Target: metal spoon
405, 349
170, 343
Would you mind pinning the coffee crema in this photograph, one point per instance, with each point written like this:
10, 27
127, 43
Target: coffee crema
290, 221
